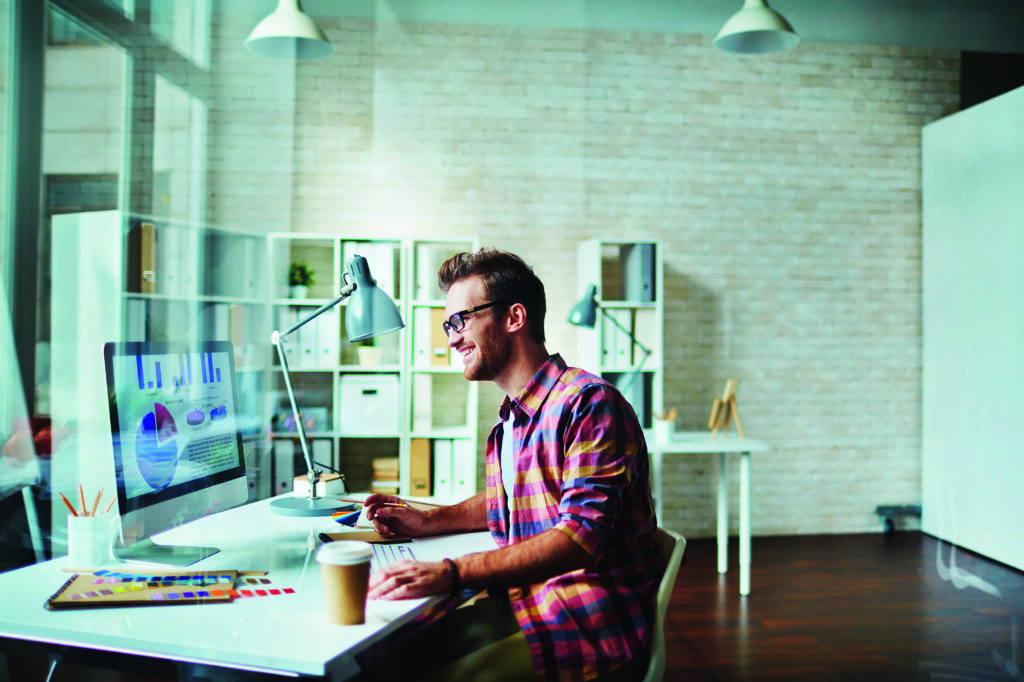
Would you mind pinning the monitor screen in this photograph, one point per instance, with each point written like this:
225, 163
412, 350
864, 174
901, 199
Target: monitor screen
176, 434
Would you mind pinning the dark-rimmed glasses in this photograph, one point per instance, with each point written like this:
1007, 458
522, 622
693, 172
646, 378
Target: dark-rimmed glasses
457, 322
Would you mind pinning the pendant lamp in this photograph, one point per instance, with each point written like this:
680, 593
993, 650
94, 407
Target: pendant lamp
755, 29
288, 33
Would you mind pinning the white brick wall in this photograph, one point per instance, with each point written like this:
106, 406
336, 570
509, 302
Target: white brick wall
786, 189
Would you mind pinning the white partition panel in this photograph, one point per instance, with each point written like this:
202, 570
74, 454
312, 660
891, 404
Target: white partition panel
973, 402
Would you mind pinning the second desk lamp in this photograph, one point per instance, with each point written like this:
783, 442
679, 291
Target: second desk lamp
584, 314
370, 312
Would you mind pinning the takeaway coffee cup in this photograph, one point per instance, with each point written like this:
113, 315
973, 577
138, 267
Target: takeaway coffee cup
345, 566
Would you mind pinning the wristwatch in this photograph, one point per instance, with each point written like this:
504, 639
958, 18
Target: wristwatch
453, 576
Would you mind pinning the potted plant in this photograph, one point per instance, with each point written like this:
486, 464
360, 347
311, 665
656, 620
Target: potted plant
300, 277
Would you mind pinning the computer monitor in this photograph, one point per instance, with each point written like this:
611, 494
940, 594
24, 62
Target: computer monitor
177, 441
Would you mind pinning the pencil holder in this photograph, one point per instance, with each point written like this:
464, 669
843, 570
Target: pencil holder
90, 540
664, 429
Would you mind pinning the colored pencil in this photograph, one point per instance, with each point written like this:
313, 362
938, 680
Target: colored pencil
110, 504
81, 498
68, 503
96, 502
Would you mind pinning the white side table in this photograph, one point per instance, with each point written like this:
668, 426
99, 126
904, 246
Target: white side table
701, 442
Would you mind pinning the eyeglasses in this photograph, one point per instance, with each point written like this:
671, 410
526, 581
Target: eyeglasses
457, 322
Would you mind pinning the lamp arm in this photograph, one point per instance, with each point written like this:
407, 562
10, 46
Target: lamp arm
636, 372
277, 338
346, 291
645, 349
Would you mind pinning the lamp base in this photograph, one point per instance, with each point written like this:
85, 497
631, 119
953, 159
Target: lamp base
304, 506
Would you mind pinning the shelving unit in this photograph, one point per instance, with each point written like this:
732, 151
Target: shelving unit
629, 279
187, 282
441, 407
397, 396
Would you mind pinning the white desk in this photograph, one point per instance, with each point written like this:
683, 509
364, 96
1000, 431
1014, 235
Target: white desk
701, 442
284, 634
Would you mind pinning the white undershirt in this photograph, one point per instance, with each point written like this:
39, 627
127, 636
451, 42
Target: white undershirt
508, 467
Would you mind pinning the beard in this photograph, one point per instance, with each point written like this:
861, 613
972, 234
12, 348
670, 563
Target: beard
490, 356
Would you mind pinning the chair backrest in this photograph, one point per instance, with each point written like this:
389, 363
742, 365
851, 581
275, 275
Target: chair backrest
671, 546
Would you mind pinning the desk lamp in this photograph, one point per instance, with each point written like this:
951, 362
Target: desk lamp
370, 312
584, 314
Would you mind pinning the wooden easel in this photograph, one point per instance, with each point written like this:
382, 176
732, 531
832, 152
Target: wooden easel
723, 410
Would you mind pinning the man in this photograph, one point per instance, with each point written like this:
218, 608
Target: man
567, 501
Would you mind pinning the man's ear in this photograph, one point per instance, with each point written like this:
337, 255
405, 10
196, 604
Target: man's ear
515, 318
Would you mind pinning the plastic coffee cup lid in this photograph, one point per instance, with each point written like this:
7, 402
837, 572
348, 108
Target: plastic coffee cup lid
344, 552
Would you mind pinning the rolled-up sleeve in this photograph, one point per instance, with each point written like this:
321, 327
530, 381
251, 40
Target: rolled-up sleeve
599, 448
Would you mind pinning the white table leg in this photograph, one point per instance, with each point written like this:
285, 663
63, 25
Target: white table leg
656, 475
744, 523
723, 513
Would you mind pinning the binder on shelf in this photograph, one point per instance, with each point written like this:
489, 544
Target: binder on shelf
381, 258
173, 270
327, 338
141, 258
250, 268
422, 402
645, 328
429, 258
236, 331
420, 483
218, 321
442, 460
284, 467
288, 317
463, 469
616, 344
637, 272
229, 266
421, 336
135, 319
305, 340
439, 349
322, 449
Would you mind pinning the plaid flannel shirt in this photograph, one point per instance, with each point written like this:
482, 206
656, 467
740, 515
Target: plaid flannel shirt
581, 467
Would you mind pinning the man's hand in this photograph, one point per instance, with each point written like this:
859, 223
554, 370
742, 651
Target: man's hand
410, 580
391, 516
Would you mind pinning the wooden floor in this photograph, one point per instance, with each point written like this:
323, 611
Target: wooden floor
849, 607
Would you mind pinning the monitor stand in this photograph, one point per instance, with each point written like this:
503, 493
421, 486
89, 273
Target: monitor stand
148, 552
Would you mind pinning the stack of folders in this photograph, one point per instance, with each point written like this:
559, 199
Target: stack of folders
385, 475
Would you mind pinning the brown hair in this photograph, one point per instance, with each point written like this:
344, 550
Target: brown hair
506, 278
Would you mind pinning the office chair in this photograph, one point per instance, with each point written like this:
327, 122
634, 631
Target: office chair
671, 547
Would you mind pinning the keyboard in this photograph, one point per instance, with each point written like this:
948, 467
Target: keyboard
386, 554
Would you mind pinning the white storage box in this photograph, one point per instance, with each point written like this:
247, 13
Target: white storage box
369, 405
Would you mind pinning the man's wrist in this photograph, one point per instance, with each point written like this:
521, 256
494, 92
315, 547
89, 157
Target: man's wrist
454, 580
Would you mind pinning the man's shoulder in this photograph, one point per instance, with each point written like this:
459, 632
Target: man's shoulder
576, 380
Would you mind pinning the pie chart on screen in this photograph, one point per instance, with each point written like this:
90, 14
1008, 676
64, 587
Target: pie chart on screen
156, 447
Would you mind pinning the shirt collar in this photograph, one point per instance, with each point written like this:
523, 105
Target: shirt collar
536, 390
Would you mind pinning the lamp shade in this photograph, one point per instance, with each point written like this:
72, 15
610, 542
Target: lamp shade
584, 313
370, 311
288, 33
755, 29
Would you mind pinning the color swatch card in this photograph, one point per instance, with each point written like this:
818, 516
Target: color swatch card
116, 589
